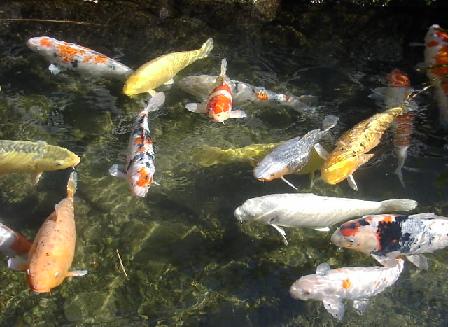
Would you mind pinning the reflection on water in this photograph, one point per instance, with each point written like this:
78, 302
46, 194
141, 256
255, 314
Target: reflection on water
187, 260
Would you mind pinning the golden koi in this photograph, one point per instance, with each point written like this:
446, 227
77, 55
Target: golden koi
34, 157
162, 69
351, 150
52, 252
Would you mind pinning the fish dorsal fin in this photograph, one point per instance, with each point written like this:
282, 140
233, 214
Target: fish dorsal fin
426, 215
323, 269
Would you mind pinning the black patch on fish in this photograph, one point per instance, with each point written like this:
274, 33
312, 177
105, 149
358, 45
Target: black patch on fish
390, 235
363, 222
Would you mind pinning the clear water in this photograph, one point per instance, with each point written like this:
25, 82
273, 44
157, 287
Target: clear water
187, 259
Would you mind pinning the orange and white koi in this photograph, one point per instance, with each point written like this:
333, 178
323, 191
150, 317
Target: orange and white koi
435, 60
200, 85
140, 160
388, 236
70, 56
219, 103
332, 286
53, 249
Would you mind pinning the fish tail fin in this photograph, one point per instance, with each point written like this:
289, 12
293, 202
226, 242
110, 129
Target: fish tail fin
206, 48
71, 184
155, 102
224, 65
398, 205
329, 122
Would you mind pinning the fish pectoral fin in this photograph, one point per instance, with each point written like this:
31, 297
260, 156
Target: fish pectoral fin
352, 183
419, 261
237, 114
282, 232
76, 273
152, 92
321, 151
156, 183
171, 81
385, 261
36, 177
199, 108
322, 229
54, 69
18, 263
335, 307
117, 171
360, 305
289, 184
312, 179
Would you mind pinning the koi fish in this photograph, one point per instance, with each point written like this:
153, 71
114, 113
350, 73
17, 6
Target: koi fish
351, 148
435, 60
219, 103
34, 157
388, 236
162, 69
70, 56
207, 156
200, 86
140, 160
293, 155
397, 94
51, 254
311, 211
358, 284
14, 245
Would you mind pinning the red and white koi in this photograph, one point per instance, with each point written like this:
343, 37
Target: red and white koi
219, 103
332, 286
435, 60
140, 160
14, 245
388, 236
70, 56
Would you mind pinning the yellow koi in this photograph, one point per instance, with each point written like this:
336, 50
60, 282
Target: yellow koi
162, 69
34, 157
352, 147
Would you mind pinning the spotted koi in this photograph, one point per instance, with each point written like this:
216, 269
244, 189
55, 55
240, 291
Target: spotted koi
70, 56
140, 166
388, 236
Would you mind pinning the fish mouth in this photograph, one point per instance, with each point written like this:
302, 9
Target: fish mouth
238, 213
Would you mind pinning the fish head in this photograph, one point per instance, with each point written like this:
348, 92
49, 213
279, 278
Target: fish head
358, 234
269, 169
43, 280
247, 211
57, 158
312, 287
135, 84
140, 178
42, 44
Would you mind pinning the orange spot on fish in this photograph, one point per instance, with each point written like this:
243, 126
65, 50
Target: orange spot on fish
144, 178
46, 42
441, 35
346, 283
388, 219
398, 78
262, 95
431, 44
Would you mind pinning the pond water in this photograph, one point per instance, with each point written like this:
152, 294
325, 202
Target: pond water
188, 261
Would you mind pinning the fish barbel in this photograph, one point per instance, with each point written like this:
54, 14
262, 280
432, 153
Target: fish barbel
312, 211
52, 252
351, 149
63, 55
388, 236
332, 286
162, 69
34, 157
